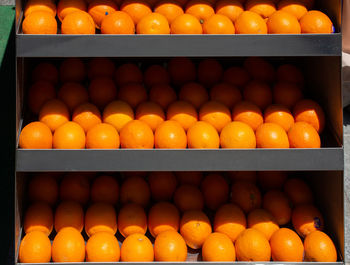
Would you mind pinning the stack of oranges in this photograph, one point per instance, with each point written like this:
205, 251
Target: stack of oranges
175, 17
162, 215
177, 106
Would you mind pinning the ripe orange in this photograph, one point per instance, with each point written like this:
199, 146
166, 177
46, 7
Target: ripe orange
181, 70
262, 221
105, 189
75, 187
100, 217
38, 94
69, 214
218, 247
156, 75
270, 135
136, 134
68, 246
118, 113
270, 180
136, 9
195, 228
87, 116
282, 22
164, 95
35, 135
132, 219
45, 71
72, 70
54, 113
290, 74
260, 69
43, 188
202, 135
316, 22
237, 135
296, 8
102, 91
69, 136
128, 73
40, 5
215, 191
264, 8
153, 23
306, 218
170, 135
201, 9
278, 205
133, 94
248, 113
252, 245
170, 246
250, 176
136, 248
309, 111
225, 93
38, 217
236, 76
99, 9
35, 247
65, 7
286, 245
118, 22
194, 93
189, 177
100, 67
170, 9
209, 72
135, 189
73, 95
183, 112
303, 135
259, 93
280, 115
319, 247
186, 24
216, 114
250, 23
78, 22
230, 220
218, 24
39, 22
163, 216
229, 8
188, 197
287, 94
150, 113
246, 195
102, 247
298, 191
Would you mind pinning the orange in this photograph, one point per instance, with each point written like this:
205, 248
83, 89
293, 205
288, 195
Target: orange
100, 67
265, 8
40, 5
203, 135
183, 112
43, 188
209, 71
194, 93
270, 135
186, 24
118, 113
195, 228
308, 3
319, 247
102, 247
136, 248
73, 95
181, 69
128, 73
280, 115
294, 7
290, 74
35, 247
45, 72
246, 195
287, 94
163, 216
150, 113
230, 220
136, 134
65, 7
105, 189
260, 69
69, 136
298, 191
270, 180
38, 94
87, 116
132, 219
250, 23
236, 76
216, 114
248, 113
68, 246
252, 245
35, 135
237, 135
162, 185
306, 218
72, 70
303, 135
164, 95
286, 245
54, 113
170, 9
133, 94
39, 22
189, 177
250, 176
100, 217
136, 9
225, 93
75, 187
153, 23
102, 91
156, 75
78, 22
307, 110
316, 22
99, 9
38, 217
215, 191
69, 214
262, 221
282, 22
188, 197
170, 246
278, 205
259, 93
135, 189
229, 8
118, 22
201, 9
170, 135
218, 247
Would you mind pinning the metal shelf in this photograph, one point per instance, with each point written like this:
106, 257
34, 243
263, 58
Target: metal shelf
179, 160
177, 45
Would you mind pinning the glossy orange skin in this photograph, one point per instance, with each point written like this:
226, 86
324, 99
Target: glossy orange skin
319, 247
237, 135
40, 5
250, 23
183, 112
99, 9
87, 116
170, 134
118, 22
316, 22
132, 219
118, 113
262, 221
163, 216
136, 134
153, 23
309, 111
136, 9
136, 248
201, 9
35, 135
150, 113
270, 135
280, 115
186, 24
102, 247
69, 214
35, 247
229, 8
69, 136
303, 135
170, 246
248, 113
38, 217
102, 136
216, 114
306, 218
294, 7
100, 217
65, 7
286, 245
171, 9
78, 22
282, 22
218, 247
39, 22
264, 8
218, 24
203, 135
